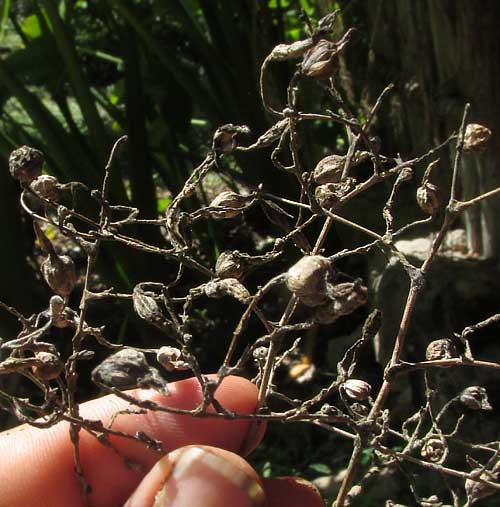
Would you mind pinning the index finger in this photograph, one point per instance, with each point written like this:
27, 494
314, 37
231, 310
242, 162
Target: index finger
37, 464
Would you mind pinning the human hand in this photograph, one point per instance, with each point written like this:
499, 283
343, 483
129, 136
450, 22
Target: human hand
36, 465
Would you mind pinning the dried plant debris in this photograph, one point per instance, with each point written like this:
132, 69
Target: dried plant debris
292, 296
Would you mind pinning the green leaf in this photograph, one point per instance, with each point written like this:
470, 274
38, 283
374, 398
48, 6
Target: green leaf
321, 468
162, 204
31, 27
5, 18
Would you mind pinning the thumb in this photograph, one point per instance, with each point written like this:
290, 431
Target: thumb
199, 475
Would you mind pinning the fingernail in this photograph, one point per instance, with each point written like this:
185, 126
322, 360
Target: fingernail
204, 476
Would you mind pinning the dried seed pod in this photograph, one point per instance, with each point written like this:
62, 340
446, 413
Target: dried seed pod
46, 186
476, 490
307, 279
440, 349
329, 169
228, 205
59, 273
145, 305
260, 353
320, 61
127, 369
25, 164
344, 298
61, 315
433, 448
428, 198
356, 389
230, 265
329, 194
476, 137
227, 287
50, 366
170, 359
475, 398
288, 51
225, 137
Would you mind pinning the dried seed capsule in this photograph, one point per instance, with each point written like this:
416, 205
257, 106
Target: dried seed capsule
59, 273
50, 366
320, 61
356, 389
344, 298
25, 164
145, 305
170, 359
307, 279
228, 205
329, 169
433, 448
127, 369
230, 265
475, 398
227, 287
476, 137
225, 137
428, 198
440, 349
46, 186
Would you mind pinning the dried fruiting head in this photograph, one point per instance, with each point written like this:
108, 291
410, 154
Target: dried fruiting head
46, 186
25, 164
227, 287
145, 305
329, 194
49, 366
476, 490
356, 389
329, 169
307, 279
475, 398
440, 349
428, 198
476, 137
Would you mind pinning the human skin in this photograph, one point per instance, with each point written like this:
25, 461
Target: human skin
37, 465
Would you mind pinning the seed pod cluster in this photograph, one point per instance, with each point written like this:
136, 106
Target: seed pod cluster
475, 398
230, 265
25, 164
357, 390
343, 299
476, 138
49, 367
307, 279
